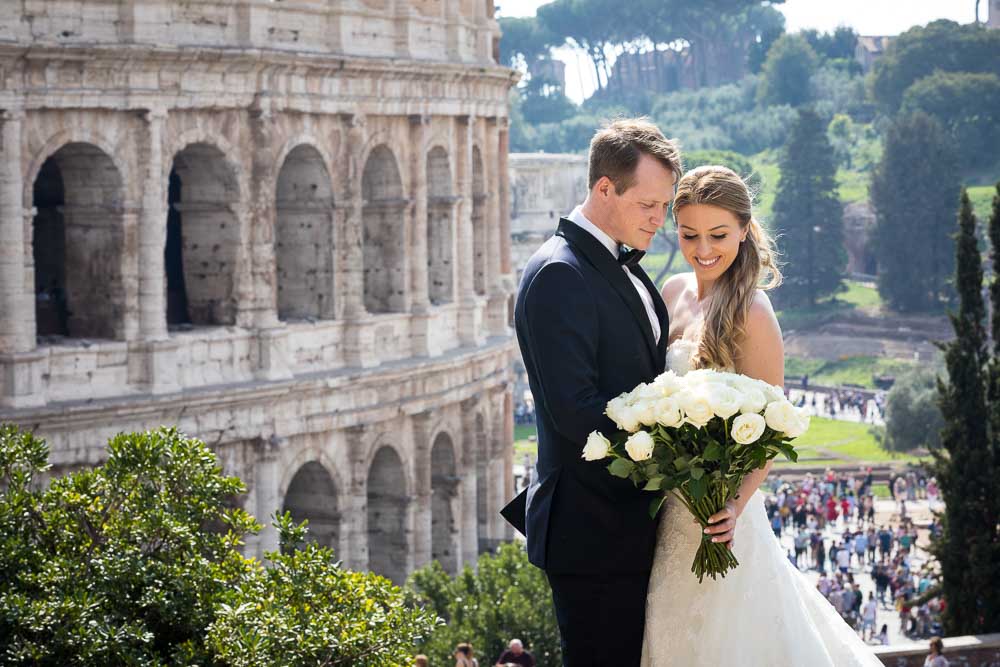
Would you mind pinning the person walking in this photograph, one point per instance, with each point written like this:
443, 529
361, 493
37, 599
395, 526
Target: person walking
868, 617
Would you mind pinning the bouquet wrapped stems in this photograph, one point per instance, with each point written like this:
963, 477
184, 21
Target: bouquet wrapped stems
712, 558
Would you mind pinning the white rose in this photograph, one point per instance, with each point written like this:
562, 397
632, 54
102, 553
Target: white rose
596, 448
614, 409
645, 411
753, 400
639, 446
771, 392
783, 417
628, 419
748, 428
724, 399
621, 412
699, 377
668, 412
668, 383
803, 423
647, 391
697, 407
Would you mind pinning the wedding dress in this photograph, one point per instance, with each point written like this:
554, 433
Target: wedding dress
765, 613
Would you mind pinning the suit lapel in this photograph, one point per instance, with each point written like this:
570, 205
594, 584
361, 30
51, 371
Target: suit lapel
661, 315
608, 266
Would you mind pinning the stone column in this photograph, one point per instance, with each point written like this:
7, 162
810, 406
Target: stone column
503, 195
401, 18
153, 233
273, 354
152, 364
507, 531
14, 293
267, 500
131, 270
423, 337
453, 26
355, 524
497, 296
467, 472
419, 297
21, 365
422, 534
470, 311
261, 213
359, 337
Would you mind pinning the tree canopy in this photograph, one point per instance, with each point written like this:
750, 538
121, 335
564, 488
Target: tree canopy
920, 51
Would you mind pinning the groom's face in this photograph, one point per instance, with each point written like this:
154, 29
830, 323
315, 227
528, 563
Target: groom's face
641, 210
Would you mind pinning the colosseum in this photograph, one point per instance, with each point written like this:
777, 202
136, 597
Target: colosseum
281, 225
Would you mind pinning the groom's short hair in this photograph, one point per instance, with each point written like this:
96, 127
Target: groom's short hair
616, 147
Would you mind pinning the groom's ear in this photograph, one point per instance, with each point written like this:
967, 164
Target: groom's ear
604, 187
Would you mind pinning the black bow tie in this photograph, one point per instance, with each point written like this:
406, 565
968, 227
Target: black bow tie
630, 257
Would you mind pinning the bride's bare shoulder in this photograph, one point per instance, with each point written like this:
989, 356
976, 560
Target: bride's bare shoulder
675, 286
761, 321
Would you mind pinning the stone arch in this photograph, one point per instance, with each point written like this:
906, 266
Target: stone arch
440, 237
312, 495
444, 489
80, 135
203, 237
388, 504
304, 239
383, 234
478, 223
78, 241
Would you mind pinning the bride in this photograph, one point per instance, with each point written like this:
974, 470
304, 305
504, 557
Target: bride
765, 612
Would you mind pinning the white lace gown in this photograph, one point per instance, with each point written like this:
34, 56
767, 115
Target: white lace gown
765, 613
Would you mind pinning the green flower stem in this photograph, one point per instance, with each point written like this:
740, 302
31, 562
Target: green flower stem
712, 558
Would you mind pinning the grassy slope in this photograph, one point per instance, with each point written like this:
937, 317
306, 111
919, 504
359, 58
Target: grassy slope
850, 370
827, 441
843, 442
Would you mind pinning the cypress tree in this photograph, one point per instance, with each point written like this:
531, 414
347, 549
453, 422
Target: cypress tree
913, 190
991, 606
808, 216
963, 465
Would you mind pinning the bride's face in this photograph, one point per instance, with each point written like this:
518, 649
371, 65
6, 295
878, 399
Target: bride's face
709, 238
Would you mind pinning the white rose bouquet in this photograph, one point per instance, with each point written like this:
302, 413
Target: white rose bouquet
697, 436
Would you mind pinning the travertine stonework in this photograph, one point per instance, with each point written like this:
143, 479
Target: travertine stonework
281, 225
544, 187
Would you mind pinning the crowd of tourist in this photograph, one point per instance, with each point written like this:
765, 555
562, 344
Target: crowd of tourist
515, 655
831, 521
843, 403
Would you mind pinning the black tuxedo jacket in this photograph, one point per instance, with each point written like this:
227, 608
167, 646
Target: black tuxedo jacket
585, 337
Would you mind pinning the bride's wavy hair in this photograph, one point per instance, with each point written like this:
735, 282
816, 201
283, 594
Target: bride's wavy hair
755, 266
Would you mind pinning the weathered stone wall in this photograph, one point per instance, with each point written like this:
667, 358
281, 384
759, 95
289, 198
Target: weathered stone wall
544, 187
966, 651
233, 218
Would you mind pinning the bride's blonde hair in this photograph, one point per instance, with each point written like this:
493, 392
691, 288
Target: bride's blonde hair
755, 266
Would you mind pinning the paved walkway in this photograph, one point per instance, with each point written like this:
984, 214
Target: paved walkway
823, 408
885, 513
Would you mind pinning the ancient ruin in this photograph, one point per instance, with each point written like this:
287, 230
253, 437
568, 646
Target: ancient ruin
281, 225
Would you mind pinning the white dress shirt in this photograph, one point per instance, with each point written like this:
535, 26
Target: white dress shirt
580, 219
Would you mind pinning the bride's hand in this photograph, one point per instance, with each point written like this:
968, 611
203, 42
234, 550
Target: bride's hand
722, 524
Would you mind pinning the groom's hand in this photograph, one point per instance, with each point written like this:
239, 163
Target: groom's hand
722, 524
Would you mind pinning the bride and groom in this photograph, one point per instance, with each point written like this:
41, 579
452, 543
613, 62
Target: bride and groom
591, 325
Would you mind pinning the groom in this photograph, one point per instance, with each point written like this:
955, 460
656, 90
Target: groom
591, 325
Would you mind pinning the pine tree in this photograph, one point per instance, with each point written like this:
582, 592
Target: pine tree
913, 190
964, 464
808, 216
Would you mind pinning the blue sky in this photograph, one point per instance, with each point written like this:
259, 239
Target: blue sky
867, 17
